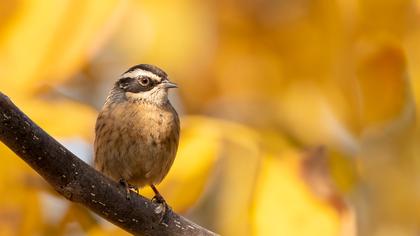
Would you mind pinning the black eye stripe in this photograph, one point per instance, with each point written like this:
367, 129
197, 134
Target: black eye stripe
124, 83
133, 85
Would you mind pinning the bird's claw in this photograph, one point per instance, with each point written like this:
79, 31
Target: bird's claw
165, 212
159, 199
128, 187
163, 209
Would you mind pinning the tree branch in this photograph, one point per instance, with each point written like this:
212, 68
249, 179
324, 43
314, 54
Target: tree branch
78, 182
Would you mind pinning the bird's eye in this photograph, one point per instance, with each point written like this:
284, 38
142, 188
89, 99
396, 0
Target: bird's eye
145, 81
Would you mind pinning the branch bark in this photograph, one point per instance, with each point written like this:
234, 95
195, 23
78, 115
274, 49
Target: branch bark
78, 182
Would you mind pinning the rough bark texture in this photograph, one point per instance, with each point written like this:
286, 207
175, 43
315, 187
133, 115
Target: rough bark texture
78, 182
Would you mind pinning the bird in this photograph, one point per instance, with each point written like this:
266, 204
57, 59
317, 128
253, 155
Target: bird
137, 130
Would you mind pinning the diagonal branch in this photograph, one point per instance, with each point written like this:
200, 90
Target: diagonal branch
78, 182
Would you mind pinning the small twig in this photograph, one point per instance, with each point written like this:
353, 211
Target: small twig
78, 182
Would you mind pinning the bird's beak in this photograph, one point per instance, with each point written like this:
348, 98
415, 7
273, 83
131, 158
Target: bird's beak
168, 84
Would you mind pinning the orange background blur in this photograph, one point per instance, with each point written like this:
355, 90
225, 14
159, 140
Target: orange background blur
298, 117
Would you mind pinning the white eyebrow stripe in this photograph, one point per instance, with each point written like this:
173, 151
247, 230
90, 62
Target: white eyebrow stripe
139, 72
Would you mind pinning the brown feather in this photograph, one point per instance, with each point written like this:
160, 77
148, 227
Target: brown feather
136, 140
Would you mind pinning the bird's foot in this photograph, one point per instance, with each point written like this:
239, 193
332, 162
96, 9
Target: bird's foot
158, 199
134, 188
164, 209
128, 187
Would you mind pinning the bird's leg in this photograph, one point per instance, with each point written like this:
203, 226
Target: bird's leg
124, 183
159, 199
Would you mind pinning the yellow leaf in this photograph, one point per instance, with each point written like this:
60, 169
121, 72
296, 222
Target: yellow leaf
382, 80
284, 206
48, 39
61, 118
107, 231
19, 202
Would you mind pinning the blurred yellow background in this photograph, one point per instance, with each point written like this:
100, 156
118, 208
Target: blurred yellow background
298, 117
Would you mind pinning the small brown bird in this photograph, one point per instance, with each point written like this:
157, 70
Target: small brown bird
137, 130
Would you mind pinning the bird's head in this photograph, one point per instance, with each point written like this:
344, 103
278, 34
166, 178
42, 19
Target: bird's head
143, 83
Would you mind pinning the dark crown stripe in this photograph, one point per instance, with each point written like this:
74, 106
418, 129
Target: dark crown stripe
151, 68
